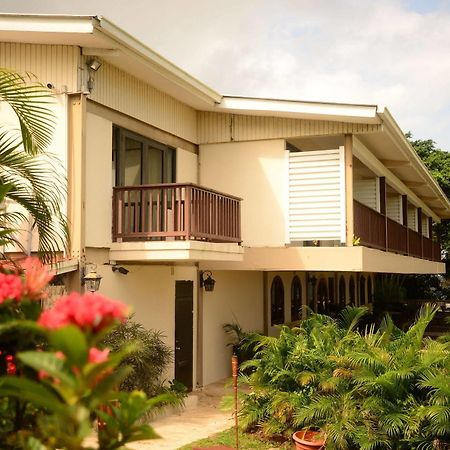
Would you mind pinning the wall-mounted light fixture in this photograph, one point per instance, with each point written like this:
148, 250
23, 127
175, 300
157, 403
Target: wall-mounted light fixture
120, 269
207, 281
94, 64
91, 280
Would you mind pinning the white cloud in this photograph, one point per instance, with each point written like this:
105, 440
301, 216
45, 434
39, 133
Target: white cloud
387, 52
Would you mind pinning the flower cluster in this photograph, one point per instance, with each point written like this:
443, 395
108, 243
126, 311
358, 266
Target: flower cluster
10, 287
90, 312
24, 280
36, 278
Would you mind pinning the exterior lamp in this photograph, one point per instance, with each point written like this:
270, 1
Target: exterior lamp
207, 281
92, 280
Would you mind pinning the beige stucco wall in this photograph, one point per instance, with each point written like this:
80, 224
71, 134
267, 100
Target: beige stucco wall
238, 296
257, 172
57, 163
99, 181
186, 166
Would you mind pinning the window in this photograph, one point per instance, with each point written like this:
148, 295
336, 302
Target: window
322, 297
369, 289
351, 291
342, 291
277, 302
138, 160
362, 290
296, 299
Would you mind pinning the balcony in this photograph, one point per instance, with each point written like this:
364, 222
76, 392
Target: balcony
378, 231
175, 212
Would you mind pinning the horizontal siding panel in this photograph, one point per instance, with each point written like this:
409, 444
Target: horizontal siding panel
316, 209
365, 192
123, 92
222, 127
54, 64
394, 208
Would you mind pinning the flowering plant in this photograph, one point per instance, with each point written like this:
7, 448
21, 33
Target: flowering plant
59, 371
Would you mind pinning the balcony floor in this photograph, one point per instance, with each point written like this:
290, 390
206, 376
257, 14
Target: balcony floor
163, 251
335, 259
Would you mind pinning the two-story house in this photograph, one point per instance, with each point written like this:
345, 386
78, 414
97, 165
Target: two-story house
283, 203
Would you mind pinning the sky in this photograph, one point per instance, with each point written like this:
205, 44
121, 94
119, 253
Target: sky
393, 53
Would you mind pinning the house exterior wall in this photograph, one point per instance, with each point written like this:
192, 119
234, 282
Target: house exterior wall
122, 92
54, 64
237, 297
99, 181
224, 127
257, 172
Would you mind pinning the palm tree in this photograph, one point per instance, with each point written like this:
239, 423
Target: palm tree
29, 176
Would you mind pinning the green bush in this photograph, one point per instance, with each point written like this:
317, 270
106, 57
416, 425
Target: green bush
149, 360
377, 389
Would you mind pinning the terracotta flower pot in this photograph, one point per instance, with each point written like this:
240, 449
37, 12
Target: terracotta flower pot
308, 440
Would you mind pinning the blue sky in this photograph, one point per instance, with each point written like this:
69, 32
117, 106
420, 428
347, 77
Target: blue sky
394, 53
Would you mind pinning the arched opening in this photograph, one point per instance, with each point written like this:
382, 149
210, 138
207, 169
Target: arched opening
342, 291
351, 291
277, 301
362, 290
369, 289
322, 297
296, 299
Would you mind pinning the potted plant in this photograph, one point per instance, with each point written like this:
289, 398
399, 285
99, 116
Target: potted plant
308, 439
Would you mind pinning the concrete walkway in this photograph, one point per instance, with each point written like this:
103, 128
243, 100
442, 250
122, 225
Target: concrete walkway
201, 418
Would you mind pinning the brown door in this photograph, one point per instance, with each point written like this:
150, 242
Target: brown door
184, 323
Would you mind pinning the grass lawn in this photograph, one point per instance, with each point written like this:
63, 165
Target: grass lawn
247, 441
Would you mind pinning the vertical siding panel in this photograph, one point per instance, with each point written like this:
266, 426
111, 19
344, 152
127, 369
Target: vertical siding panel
55, 64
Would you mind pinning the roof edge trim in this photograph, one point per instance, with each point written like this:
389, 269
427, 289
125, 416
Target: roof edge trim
300, 109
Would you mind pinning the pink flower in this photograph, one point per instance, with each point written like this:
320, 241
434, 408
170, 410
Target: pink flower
10, 287
36, 278
98, 356
90, 312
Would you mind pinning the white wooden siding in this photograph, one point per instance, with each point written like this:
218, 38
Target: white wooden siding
54, 64
412, 218
394, 207
365, 192
317, 195
123, 92
425, 231
224, 127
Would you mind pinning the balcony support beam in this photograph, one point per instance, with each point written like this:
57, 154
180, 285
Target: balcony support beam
348, 158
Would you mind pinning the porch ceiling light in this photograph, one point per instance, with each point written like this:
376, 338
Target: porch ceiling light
91, 280
207, 281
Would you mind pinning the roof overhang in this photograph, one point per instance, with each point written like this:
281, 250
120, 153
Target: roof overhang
114, 46
341, 112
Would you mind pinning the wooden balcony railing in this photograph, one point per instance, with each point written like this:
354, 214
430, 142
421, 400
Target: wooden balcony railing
175, 211
378, 231
370, 226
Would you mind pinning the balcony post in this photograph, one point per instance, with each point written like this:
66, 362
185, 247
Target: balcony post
405, 219
382, 191
419, 229
348, 158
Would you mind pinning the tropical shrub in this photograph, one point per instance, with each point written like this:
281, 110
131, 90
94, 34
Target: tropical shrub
148, 361
376, 389
55, 379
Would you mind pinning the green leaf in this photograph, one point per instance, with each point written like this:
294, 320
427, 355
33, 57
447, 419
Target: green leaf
34, 392
48, 362
72, 342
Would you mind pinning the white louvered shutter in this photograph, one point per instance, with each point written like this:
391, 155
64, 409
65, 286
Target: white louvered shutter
317, 195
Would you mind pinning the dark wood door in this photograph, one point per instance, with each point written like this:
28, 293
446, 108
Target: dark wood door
184, 324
